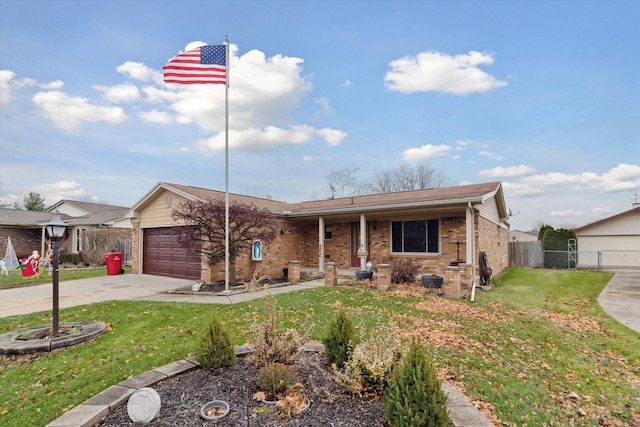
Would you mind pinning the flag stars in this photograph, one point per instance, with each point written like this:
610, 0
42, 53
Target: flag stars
213, 55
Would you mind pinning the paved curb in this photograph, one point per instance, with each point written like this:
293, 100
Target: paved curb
11, 346
93, 410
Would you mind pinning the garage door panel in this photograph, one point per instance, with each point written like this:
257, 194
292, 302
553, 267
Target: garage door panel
163, 255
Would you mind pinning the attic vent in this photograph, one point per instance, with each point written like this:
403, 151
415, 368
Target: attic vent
167, 200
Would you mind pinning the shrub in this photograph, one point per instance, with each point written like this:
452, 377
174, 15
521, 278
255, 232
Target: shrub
68, 258
340, 339
277, 345
555, 245
414, 397
215, 349
368, 368
274, 380
403, 270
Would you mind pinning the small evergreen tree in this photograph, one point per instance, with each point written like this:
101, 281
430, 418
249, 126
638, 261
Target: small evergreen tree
340, 339
215, 349
414, 397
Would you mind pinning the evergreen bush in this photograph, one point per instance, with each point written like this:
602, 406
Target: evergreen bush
414, 397
215, 348
340, 340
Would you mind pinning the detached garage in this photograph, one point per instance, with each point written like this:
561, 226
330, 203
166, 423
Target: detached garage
612, 242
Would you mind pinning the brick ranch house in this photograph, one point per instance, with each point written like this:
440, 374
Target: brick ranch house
27, 228
434, 228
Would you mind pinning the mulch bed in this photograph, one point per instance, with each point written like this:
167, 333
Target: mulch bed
183, 395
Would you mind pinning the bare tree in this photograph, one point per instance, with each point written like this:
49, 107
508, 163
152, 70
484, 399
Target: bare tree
404, 178
343, 182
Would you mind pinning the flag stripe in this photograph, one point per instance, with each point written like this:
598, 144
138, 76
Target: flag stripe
204, 65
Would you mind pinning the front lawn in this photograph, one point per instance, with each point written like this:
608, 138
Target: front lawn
536, 350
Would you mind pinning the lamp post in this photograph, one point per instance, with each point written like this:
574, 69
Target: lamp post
55, 229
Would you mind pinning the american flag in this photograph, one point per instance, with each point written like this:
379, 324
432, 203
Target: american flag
204, 65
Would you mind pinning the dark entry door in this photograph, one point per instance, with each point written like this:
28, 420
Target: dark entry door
355, 243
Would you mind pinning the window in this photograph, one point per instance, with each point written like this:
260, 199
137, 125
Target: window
327, 232
422, 236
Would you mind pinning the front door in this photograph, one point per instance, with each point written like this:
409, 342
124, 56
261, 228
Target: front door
355, 244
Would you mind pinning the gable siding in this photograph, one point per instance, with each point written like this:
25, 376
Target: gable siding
626, 225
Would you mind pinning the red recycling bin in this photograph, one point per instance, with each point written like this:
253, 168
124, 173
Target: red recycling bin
113, 260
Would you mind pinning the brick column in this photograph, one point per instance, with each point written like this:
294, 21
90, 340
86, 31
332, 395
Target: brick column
331, 274
294, 271
383, 276
451, 286
466, 276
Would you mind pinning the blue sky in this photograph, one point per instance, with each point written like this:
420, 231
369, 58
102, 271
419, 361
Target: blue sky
542, 96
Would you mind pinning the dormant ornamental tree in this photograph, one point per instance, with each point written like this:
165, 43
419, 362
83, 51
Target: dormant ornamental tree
204, 229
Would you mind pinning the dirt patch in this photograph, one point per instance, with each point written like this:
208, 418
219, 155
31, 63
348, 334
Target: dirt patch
183, 395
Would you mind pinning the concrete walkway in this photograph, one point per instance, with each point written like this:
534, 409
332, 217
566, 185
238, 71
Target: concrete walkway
620, 299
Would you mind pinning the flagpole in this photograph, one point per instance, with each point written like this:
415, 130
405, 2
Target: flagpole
226, 169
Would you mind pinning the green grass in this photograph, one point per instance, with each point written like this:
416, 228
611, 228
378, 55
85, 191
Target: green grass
15, 278
521, 349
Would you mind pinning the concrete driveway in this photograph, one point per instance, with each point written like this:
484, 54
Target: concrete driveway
621, 298
36, 298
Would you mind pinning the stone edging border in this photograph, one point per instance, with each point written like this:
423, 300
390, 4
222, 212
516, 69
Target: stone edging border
93, 410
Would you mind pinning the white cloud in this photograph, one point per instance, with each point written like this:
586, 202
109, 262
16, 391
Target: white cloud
259, 139
125, 92
568, 213
346, 83
5, 91
515, 190
155, 116
139, 71
508, 172
324, 109
490, 155
438, 72
620, 178
65, 189
425, 152
332, 136
68, 113
56, 84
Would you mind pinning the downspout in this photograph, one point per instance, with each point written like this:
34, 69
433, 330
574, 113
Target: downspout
321, 244
471, 225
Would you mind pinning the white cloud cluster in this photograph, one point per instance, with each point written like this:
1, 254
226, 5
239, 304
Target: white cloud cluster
438, 72
620, 178
508, 172
424, 152
65, 189
69, 112
5, 90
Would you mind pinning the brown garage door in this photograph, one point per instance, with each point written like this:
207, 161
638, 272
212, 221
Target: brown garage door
163, 255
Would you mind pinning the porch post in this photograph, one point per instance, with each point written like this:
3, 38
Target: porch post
363, 241
321, 244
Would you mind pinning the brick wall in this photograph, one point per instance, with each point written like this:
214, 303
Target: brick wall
494, 241
23, 240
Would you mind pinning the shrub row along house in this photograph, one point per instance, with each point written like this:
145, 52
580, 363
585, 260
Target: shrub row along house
434, 228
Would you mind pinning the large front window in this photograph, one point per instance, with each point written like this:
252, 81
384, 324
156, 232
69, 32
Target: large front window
422, 236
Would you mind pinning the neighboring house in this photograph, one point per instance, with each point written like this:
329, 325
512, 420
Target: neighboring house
430, 227
522, 236
613, 242
82, 216
27, 228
